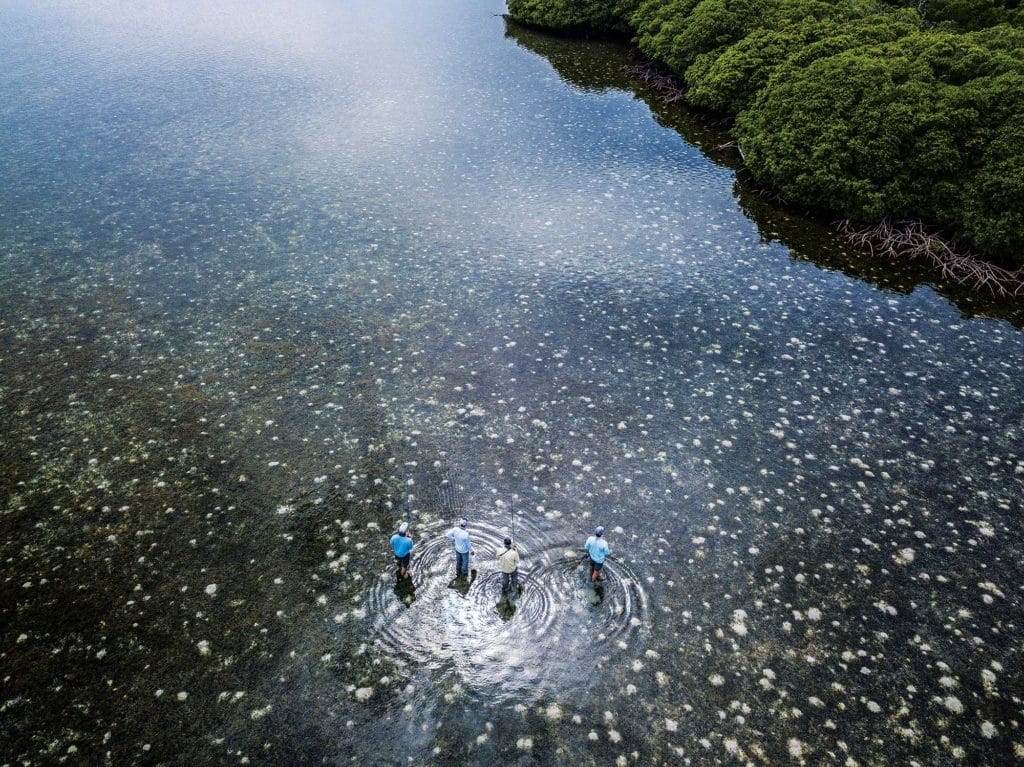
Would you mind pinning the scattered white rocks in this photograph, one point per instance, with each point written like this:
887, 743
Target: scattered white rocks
739, 625
795, 747
904, 556
953, 704
886, 608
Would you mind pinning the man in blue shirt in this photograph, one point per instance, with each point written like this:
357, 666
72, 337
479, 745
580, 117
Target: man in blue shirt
598, 550
402, 544
459, 536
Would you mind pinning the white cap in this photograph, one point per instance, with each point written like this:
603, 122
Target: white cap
403, 527
599, 531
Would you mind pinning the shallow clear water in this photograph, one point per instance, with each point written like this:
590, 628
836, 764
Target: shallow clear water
266, 267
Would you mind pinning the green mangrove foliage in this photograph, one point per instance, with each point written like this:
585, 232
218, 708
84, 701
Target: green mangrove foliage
914, 127
576, 16
728, 81
863, 108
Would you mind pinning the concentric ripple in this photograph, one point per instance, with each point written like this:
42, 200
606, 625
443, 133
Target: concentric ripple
532, 608
611, 609
540, 639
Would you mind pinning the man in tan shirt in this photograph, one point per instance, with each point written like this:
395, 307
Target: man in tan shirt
508, 563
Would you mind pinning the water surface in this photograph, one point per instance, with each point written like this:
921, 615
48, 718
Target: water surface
268, 271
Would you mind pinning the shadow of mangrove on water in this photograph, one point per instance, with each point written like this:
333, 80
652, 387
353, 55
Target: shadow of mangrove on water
596, 66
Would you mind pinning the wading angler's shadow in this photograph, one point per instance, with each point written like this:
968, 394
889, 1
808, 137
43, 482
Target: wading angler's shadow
405, 590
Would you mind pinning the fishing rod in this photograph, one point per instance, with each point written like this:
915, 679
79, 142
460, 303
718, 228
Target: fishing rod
460, 507
448, 495
612, 557
441, 502
408, 514
385, 503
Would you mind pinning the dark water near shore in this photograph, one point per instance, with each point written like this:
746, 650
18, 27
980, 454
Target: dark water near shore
265, 266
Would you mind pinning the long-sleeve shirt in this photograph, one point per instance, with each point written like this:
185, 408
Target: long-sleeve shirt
508, 560
401, 544
460, 538
597, 548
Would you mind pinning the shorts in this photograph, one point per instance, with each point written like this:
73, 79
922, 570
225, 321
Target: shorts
596, 566
403, 562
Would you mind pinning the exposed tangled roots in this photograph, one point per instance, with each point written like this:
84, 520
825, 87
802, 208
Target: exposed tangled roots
909, 238
728, 145
669, 87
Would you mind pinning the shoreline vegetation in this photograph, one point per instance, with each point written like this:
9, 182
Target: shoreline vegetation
905, 120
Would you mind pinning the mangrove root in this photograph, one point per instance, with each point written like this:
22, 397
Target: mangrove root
908, 238
669, 87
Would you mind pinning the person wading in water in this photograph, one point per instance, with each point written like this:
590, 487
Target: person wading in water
508, 563
598, 550
402, 544
463, 547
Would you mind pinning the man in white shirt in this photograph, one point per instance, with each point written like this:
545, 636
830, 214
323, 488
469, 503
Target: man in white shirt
508, 563
463, 547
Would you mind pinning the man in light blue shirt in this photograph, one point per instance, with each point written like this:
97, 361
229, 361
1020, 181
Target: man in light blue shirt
598, 550
402, 544
463, 547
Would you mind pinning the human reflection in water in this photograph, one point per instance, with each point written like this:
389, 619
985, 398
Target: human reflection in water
506, 606
461, 583
593, 594
592, 591
405, 590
